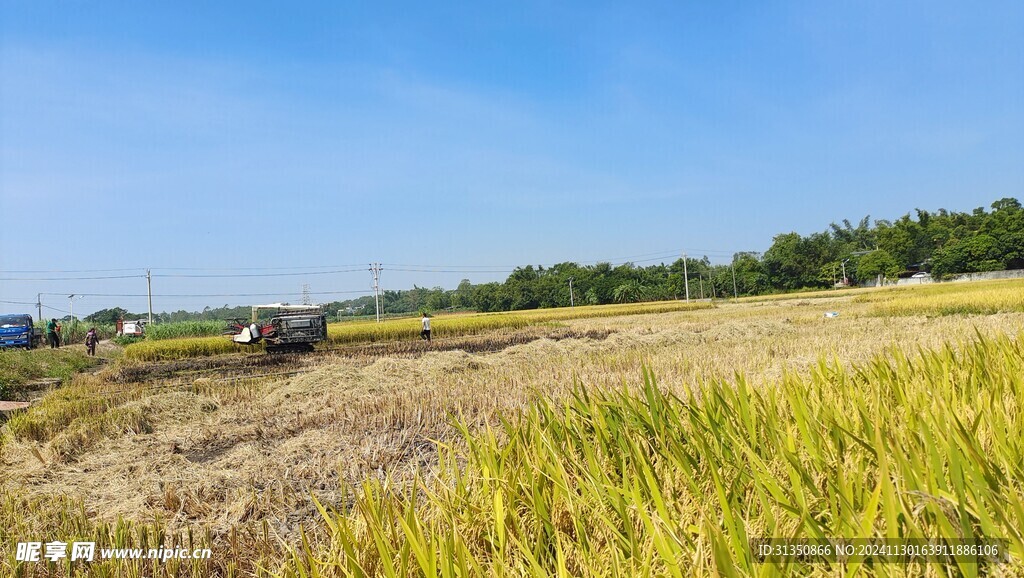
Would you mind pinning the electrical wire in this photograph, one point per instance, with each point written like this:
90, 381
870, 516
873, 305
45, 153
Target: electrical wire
295, 271
71, 278
260, 268
430, 270
236, 275
311, 269
72, 270
19, 302
281, 293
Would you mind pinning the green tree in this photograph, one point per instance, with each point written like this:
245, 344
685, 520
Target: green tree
877, 263
631, 291
974, 254
107, 316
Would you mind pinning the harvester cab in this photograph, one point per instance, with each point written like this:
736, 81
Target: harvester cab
290, 328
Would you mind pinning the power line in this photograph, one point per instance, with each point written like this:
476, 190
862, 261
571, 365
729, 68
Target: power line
266, 268
432, 270
333, 269
468, 269
177, 275
510, 268
70, 278
18, 302
211, 294
257, 268
236, 275
70, 270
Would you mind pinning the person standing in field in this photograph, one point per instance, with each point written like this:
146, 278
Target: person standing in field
52, 336
91, 339
425, 334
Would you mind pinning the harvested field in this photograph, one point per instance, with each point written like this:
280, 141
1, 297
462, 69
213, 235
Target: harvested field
236, 456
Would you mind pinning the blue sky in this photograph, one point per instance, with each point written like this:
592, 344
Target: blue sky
243, 135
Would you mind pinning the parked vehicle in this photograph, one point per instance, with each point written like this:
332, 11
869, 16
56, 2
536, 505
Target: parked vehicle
18, 330
131, 328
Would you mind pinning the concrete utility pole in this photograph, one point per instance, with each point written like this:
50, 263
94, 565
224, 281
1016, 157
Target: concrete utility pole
686, 279
149, 292
71, 300
572, 302
375, 270
735, 294
39, 305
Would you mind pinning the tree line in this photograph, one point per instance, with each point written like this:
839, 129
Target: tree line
942, 243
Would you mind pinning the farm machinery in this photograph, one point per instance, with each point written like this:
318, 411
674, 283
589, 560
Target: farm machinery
291, 328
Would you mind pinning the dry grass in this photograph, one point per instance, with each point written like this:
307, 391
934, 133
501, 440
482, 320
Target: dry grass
231, 456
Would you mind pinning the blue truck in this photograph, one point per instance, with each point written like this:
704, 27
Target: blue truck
17, 330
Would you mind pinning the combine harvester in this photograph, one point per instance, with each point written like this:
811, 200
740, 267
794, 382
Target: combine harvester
292, 328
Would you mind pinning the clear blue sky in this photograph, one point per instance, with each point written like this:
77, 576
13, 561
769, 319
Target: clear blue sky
238, 134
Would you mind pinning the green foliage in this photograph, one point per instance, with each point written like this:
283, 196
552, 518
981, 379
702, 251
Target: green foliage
795, 262
184, 329
967, 255
878, 262
126, 340
946, 242
631, 291
110, 316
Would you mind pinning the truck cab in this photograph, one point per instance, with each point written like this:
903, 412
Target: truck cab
17, 330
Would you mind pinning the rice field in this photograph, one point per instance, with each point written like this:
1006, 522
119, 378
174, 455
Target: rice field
407, 329
980, 298
659, 446
638, 482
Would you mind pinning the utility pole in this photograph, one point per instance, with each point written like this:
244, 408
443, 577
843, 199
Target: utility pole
71, 301
375, 270
39, 305
71, 330
686, 279
735, 294
149, 292
572, 301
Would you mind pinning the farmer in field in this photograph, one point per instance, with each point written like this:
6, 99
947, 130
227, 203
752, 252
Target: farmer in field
91, 339
425, 334
52, 337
